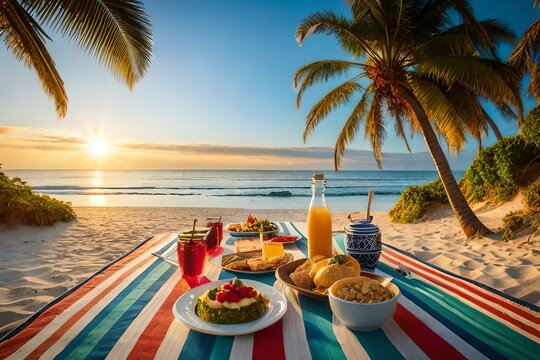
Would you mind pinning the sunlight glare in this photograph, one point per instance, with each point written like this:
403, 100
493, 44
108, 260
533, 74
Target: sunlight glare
97, 148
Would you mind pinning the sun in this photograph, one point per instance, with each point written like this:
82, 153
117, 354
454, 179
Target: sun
97, 148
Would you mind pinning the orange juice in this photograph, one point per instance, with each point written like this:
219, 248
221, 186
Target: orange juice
271, 250
319, 232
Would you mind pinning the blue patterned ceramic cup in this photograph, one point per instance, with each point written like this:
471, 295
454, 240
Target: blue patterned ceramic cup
363, 242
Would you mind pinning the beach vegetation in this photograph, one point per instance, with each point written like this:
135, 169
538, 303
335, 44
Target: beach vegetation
531, 195
498, 172
116, 33
526, 55
19, 205
415, 201
531, 127
496, 175
430, 65
511, 222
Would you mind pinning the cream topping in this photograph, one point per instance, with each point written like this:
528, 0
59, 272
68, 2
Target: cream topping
214, 304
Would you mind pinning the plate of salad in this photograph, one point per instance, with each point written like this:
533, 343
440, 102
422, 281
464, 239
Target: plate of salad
252, 227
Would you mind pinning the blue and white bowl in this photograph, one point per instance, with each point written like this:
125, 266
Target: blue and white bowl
366, 259
363, 242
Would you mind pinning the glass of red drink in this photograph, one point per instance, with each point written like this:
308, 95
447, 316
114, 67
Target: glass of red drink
191, 258
215, 235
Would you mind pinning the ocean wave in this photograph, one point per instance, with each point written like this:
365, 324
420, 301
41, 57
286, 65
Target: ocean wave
344, 194
262, 194
162, 188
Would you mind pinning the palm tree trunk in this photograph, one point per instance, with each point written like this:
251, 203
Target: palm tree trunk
468, 221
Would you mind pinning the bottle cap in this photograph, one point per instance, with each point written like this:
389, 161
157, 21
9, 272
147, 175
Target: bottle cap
318, 176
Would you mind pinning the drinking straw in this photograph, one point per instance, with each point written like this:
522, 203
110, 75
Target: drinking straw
370, 199
193, 231
189, 252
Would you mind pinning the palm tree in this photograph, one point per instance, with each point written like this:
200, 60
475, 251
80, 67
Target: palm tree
115, 32
526, 54
410, 60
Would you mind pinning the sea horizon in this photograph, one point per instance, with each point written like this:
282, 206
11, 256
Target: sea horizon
346, 190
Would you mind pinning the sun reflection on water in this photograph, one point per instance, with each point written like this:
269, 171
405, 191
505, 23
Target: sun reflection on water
97, 200
97, 178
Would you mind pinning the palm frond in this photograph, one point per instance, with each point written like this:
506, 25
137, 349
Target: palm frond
492, 124
25, 38
375, 130
449, 44
337, 26
497, 31
534, 84
471, 73
318, 71
441, 110
524, 54
469, 109
335, 98
115, 32
351, 127
400, 131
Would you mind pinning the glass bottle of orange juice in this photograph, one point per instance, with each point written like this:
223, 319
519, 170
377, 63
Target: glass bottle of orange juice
319, 221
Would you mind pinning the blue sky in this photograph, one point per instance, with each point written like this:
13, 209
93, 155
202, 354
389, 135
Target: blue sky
221, 74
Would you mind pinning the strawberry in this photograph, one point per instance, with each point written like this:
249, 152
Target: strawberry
233, 297
221, 296
244, 291
229, 286
253, 293
251, 219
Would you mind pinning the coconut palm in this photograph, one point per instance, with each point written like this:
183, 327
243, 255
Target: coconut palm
412, 61
526, 56
115, 32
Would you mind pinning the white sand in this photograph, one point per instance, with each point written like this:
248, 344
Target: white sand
38, 264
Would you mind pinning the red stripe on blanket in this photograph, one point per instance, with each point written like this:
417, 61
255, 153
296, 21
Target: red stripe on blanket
150, 340
471, 287
268, 343
42, 348
9, 346
436, 279
430, 342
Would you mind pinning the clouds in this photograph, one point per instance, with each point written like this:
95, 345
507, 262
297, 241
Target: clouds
49, 148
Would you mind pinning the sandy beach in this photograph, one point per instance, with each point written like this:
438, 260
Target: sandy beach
38, 264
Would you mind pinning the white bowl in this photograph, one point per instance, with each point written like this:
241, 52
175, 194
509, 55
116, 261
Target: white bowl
362, 316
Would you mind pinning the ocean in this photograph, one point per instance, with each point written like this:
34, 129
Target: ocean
252, 189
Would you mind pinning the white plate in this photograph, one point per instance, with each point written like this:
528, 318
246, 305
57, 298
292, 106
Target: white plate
251, 233
184, 310
216, 261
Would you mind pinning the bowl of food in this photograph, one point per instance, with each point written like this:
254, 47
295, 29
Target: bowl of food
362, 303
314, 276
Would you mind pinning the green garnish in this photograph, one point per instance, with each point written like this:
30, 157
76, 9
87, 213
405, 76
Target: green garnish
238, 283
212, 294
338, 259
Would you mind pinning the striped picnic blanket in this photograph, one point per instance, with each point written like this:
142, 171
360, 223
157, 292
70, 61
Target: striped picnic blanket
124, 311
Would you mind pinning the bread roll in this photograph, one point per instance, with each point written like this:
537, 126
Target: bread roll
302, 279
309, 263
328, 274
317, 266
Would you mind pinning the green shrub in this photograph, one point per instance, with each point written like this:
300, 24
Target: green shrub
18, 204
497, 173
512, 221
531, 195
414, 201
531, 127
